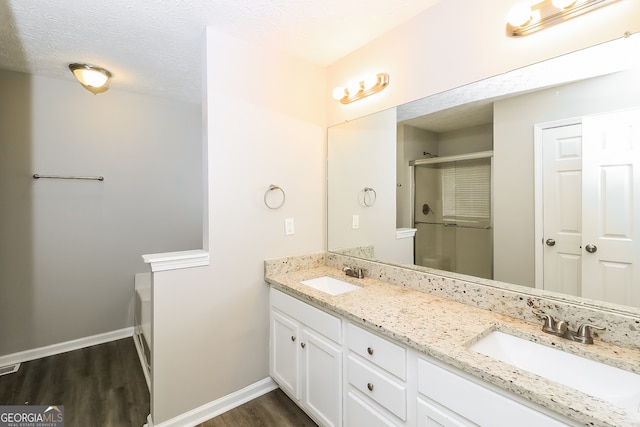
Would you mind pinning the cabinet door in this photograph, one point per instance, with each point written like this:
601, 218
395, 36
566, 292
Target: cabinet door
430, 415
322, 382
285, 356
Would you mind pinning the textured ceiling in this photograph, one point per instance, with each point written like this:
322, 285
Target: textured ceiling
154, 46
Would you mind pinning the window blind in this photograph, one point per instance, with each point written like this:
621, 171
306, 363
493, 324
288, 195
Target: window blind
466, 190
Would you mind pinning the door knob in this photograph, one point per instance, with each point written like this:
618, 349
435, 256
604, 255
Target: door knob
550, 242
591, 248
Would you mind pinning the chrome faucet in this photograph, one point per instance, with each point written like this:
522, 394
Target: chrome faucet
561, 329
354, 272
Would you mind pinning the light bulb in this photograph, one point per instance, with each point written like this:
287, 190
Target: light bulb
338, 93
370, 81
353, 88
92, 78
563, 4
519, 14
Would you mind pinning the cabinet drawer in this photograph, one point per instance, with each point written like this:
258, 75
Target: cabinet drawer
475, 402
359, 413
377, 350
318, 320
385, 391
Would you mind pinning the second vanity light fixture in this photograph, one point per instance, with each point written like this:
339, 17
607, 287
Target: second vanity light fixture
359, 89
93, 78
526, 18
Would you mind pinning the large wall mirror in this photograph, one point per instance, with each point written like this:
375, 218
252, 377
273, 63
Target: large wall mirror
530, 178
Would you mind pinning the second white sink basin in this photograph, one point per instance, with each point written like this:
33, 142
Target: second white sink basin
614, 385
330, 285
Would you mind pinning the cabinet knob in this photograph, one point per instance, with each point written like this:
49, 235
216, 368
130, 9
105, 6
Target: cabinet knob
370, 350
293, 338
303, 345
370, 386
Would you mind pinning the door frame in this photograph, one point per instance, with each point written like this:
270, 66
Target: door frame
538, 130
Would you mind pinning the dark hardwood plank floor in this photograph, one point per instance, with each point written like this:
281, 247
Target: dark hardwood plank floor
273, 409
101, 385
104, 386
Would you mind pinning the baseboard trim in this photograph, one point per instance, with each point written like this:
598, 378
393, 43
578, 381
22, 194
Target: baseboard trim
137, 337
220, 406
63, 347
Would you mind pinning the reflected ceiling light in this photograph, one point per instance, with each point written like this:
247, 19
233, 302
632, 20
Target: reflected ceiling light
359, 89
526, 18
93, 78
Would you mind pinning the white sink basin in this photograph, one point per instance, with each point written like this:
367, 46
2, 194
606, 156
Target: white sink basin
614, 385
330, 285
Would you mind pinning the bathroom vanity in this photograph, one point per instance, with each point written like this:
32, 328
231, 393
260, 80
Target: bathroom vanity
391, 352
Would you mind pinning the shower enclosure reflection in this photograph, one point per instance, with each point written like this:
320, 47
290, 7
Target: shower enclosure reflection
452, 214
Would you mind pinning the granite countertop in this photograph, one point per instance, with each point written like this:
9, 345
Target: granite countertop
444, 329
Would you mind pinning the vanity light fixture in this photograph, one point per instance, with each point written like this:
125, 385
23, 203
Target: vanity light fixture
93, 78
526, 18
355, 90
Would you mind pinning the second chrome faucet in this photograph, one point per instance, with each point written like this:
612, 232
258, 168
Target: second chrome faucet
560, 328
354, 272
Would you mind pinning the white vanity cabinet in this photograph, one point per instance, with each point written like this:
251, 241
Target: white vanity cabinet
306, 357
376, 373
447, 399
365, 380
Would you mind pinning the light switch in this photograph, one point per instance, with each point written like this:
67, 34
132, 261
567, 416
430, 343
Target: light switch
355, 222
289, 227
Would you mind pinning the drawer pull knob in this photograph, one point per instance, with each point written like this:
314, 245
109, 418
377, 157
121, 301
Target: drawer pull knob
370, 350
303, 345
293, 338
370, 386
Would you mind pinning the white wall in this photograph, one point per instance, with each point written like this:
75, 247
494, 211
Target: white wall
69, 249
266, 125
468, 140
457, 42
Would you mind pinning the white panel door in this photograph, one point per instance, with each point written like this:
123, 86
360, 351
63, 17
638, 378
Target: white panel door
562, 200
322, 380
285, 357
611, 206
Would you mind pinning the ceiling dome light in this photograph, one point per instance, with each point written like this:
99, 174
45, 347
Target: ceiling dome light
519, 14
562, 4
94, 79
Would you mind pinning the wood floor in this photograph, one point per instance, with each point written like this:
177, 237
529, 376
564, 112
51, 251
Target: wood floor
273, 409
101, 385
104, 386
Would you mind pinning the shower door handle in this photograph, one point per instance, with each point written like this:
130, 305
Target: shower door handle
550, 242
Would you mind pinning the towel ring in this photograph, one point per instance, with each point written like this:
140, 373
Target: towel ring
372, 199
272, 188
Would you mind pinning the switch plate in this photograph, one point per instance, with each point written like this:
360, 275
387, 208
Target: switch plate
289, 227
355, 222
